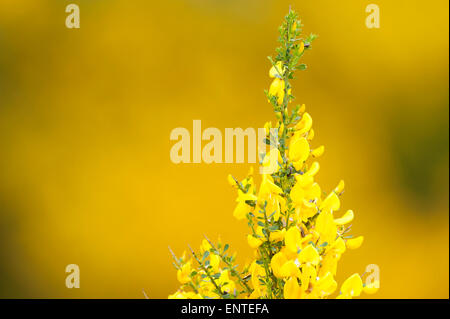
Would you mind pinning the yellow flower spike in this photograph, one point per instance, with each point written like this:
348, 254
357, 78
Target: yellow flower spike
318, 151
277, 71
347, 218
291, 289
299, 150
304, 125
253, 241
340, 187
184, 273
355, 243
309, 255
305, 238
313, 170
292, 239
277, 262
331, 203
290, 269
352, 286
277, 89
277, 235
372, 287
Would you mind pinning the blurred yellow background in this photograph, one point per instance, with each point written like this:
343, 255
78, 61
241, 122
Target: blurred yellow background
86, 114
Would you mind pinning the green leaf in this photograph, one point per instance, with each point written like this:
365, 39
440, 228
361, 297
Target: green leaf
205, 255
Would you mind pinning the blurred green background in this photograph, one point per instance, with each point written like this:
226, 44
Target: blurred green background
86, 114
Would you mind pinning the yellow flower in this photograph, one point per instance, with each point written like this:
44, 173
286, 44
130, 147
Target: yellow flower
214, 262
329, 263
277, 262
338, 246
301, 47
313, 170
291, 289
256, 272
277, 235
347, 218
185, 295
299, 150
352, 286
309, 255
330, 203
304, 125
227, 285
271, 160
326, 227
290, 269
372, 287
281, 130
177, 295
355, 243
277, 71
267, 127
318, 151
184, 273
205, 246
326, 285
275, 204
308, 274
253, 241
292, 239
302, 109
311, 135
340, 187
241, 210
277, 89
268, 187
